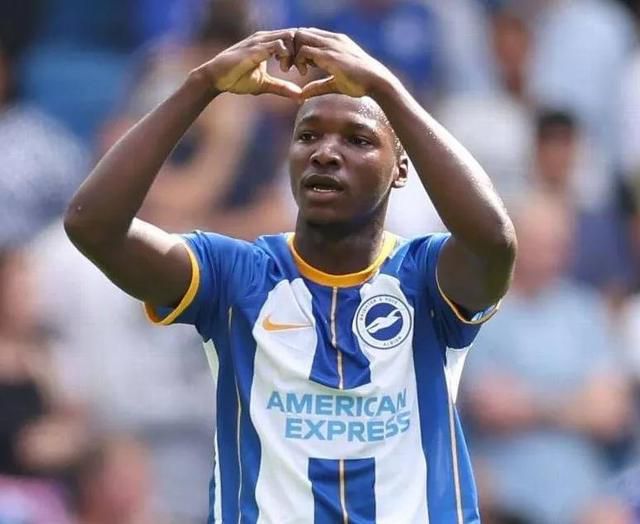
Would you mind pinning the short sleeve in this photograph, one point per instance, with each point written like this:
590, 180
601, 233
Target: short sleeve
223, 271
456, 327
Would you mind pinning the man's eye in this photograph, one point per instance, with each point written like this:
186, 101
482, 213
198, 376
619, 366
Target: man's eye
306, 136
360, 141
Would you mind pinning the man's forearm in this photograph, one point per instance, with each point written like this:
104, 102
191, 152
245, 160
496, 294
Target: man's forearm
112, 195
459, 188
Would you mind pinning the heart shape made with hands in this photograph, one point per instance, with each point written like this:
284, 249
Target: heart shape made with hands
242, 69
295, 89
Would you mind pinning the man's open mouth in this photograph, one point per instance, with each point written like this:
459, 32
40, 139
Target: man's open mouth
322, 183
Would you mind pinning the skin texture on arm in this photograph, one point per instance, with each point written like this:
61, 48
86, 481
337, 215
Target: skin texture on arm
475, 267
141, 259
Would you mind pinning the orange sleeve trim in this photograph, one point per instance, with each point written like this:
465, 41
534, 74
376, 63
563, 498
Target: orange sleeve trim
485, 315
187, 299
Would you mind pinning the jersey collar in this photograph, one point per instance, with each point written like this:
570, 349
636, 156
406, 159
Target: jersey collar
347, 280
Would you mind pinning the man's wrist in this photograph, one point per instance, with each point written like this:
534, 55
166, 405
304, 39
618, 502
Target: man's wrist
385, 87
201, 82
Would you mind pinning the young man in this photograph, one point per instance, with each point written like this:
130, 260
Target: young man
337, 350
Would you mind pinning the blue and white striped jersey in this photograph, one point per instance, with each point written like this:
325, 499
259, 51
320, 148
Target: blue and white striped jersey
336, 394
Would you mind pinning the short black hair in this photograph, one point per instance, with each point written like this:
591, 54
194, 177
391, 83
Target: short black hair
551, 119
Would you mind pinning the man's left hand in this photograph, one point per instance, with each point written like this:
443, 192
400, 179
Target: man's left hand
351, 70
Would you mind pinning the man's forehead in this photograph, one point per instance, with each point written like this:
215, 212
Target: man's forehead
362, 110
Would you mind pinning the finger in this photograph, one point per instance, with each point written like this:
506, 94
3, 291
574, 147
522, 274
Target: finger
280, 87
291, 48
279, 50
309, 55
323, 32
319, 87
286, 35
307, 37
265, 50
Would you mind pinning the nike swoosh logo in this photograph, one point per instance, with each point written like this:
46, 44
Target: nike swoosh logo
268, 325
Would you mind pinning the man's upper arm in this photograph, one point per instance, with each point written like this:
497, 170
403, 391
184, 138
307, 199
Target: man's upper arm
470, 281
456, 325
148, 264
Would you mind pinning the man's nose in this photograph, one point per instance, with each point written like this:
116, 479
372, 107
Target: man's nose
326, 155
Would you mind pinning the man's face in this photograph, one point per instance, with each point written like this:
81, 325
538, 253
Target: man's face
342, 160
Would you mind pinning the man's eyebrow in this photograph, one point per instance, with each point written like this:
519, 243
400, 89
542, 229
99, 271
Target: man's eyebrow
363, 127
310, 118
353, 124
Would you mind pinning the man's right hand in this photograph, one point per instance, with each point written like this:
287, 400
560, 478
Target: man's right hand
242, 68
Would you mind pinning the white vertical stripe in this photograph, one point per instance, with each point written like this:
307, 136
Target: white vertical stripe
283, 363
214, 366
455, 359
239, 454
454, 458
217, 505
393, 370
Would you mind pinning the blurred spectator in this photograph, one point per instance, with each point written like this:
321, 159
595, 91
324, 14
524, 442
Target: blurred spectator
563, 166
626, 487
411, 212
113, 485
496, 127
543, 387
581, 48
607, 511
629, 140
29, 501
41, 163
465, 64
75, 68
40, 436
498, 131
129, 376
512, 45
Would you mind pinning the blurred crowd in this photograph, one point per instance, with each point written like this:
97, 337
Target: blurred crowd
107, 420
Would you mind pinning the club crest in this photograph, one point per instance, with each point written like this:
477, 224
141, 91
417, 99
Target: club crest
383, 321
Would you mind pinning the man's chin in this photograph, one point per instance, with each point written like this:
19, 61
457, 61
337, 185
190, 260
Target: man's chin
327, 219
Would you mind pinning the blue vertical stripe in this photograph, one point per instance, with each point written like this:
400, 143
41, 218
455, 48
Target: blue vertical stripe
250, 448
356, 365
433, 406
360, 480
227, 424
324, 369
359, 487
238, 453
324, 475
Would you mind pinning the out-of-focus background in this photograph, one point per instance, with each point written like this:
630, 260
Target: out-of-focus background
107, 420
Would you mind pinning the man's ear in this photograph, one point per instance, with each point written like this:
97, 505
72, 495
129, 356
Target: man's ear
402, 172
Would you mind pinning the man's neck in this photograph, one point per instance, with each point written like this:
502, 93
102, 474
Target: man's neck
339, 250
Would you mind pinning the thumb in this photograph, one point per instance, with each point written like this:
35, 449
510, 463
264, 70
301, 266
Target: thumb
320, 87
278, 86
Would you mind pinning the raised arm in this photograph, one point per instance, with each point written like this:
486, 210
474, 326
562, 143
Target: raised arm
475, 266
141, 259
